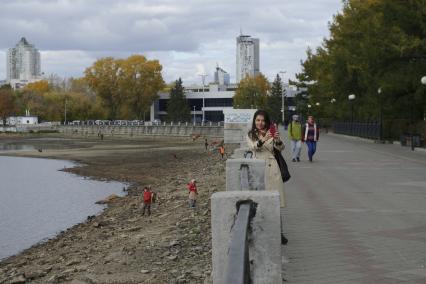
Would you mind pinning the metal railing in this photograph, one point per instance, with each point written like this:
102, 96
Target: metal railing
238, 270
124, 123
247, 153
369, 130
244, 175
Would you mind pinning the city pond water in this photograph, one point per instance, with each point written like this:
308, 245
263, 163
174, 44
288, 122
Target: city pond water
38, 200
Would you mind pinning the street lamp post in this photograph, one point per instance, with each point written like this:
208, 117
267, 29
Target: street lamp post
423, 80
412, 124
309, 109
333, 101
282, 97
379, 92
351, 98
65, 114
317, 111
194, 115
203, 78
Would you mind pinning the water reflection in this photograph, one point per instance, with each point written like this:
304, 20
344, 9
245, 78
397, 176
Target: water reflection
14, 147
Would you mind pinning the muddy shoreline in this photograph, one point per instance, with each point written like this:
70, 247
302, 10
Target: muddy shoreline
173, 245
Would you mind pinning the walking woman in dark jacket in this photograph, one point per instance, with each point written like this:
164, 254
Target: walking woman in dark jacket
311, 137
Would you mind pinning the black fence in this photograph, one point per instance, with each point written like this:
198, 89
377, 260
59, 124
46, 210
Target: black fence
370, 130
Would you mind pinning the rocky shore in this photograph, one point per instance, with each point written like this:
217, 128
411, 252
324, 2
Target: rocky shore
173, 245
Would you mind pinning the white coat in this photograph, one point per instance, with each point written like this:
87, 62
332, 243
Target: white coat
273, 180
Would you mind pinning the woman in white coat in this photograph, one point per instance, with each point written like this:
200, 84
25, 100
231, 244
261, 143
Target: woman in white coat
262, 142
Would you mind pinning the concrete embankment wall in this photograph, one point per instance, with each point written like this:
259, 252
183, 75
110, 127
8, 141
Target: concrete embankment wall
28, 128
140, 131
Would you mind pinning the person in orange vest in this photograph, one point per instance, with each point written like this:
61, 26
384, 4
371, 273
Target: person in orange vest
147, 200
192, 187
222, 150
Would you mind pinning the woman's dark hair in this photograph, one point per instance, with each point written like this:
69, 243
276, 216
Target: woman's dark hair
253, 131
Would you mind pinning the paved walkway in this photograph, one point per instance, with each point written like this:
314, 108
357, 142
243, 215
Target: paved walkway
357, 214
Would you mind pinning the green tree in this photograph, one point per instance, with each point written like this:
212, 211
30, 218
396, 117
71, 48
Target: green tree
29, 100
252, 92
7, 103
274, 100
177, 106
373, 44
53, 107
80, 106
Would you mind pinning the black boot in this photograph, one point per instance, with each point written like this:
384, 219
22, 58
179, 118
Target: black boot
284, 240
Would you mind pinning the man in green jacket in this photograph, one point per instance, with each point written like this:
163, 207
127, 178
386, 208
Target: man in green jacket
295, 136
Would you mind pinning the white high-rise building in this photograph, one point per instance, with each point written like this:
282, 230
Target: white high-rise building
23, 64
247, 57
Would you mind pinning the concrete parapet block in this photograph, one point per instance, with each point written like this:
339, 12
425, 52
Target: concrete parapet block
239, 152
256, 173
233, 136
264, 239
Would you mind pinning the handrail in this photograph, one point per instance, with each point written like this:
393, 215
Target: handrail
244, 177
238, 270
248, 152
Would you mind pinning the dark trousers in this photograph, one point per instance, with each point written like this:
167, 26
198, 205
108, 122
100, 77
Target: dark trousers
192, 203
312, 148
146, 206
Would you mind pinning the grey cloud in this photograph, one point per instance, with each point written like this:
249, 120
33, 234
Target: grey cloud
206, 30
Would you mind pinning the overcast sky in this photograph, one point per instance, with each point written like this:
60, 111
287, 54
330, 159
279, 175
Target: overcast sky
188, 37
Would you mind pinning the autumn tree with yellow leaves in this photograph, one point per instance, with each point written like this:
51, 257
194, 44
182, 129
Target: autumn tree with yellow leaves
252, 92
126, 86
111, 88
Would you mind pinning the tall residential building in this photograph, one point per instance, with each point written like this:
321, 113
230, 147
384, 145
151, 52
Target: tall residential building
23, 63
221, 77
247, 56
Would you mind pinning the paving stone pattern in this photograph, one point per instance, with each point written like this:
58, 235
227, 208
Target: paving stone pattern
357, 214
